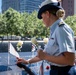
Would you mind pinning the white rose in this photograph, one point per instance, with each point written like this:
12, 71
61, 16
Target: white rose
45, 40
20, 43
34, 41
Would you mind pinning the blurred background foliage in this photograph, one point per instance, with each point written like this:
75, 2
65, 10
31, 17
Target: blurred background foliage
27, 24
71, 21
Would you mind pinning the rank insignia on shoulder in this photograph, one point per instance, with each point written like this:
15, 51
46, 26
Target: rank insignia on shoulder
61, 24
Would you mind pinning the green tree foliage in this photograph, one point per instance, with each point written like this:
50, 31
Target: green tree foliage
24, 17
33, 26
13, 21
23, 24
71, 21
39, 28
1, 24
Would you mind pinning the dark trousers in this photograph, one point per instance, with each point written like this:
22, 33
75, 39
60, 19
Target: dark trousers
68, 70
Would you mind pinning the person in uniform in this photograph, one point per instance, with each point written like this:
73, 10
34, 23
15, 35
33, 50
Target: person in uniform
60, 49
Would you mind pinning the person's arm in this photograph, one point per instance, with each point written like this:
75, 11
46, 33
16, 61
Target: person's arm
32, 60
66, 58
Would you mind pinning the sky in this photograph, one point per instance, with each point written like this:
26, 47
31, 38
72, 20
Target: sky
0, 5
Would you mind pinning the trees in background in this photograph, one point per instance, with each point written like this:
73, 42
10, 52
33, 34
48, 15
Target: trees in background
22, 24
71, 20
27, 24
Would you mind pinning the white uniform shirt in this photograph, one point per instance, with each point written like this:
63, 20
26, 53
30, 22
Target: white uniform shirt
61, 40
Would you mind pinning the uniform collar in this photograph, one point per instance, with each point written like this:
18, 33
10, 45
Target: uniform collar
54, 25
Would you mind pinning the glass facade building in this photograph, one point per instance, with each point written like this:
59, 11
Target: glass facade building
21, 5
10, 4
31, 5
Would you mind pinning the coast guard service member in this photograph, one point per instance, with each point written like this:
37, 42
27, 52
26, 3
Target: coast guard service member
60, 50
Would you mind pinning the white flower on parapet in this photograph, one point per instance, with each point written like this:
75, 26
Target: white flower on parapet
34, 41
45, 40
19, 45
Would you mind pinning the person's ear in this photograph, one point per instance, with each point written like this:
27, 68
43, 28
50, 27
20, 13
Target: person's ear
48, 14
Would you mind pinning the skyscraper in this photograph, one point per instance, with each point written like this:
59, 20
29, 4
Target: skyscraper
69, 7
21, 5
10, 3
31, 5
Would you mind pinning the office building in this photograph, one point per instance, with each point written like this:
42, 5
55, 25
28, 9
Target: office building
31, 5
69, 7
10, 3
21, 5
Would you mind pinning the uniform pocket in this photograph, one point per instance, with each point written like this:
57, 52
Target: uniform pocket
51, 41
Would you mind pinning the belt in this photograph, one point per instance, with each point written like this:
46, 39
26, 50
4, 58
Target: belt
60, 67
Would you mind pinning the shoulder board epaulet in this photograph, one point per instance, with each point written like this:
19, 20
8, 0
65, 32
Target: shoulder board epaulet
61, 24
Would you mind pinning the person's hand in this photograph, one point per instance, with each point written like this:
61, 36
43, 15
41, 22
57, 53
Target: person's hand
41, 54
21, 60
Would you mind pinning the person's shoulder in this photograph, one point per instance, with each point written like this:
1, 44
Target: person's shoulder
60, 24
